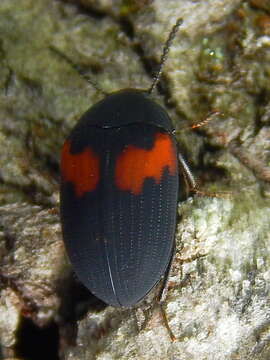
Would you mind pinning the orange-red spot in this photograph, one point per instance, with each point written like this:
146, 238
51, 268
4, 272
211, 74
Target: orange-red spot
134, 164
82, 169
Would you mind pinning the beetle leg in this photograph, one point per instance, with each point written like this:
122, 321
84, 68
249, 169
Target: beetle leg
188, 177
163, 293
164, 288
192, 185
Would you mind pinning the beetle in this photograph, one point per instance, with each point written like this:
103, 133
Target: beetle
119, 191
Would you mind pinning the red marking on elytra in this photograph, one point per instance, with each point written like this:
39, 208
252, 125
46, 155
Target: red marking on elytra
82, 169
134, 164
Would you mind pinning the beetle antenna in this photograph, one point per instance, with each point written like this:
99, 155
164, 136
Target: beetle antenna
165, 53
79, 70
